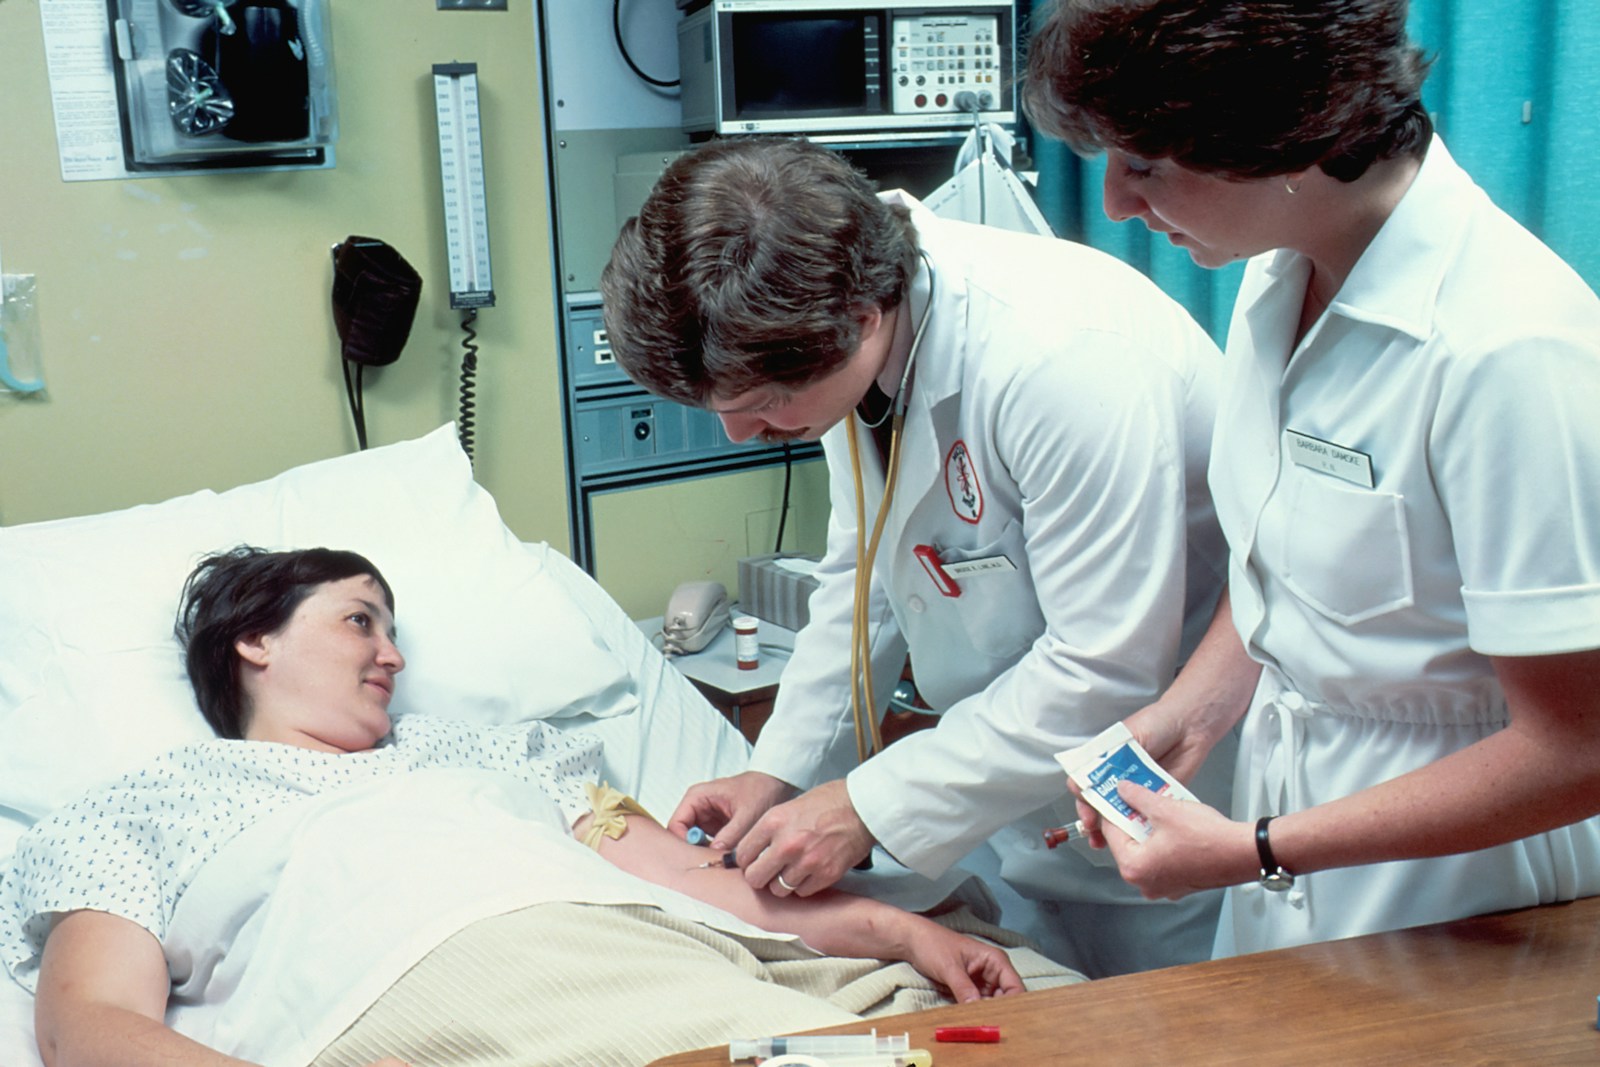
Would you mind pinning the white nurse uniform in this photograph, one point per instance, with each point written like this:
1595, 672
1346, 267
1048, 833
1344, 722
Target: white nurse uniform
1412, 489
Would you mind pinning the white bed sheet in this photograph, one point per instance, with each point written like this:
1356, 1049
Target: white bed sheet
364, 884
91, 680
671, 740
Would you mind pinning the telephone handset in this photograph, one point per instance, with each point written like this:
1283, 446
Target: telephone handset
696, 613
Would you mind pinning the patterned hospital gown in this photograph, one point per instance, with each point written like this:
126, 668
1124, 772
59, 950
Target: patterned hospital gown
132, 848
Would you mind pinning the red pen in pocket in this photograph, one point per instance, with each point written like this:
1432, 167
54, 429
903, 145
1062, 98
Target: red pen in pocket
928, 556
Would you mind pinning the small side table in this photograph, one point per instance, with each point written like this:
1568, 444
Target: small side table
745, 697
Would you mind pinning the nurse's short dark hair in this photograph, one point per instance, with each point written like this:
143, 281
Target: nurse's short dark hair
245, 592
1245, 89
753, 262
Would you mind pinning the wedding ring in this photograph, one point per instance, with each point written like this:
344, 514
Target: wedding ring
786, 885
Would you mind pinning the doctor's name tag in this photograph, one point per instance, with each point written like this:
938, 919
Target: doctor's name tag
1329, 458
987, 565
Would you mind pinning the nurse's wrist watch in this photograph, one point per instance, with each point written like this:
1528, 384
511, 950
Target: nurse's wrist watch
1273, 877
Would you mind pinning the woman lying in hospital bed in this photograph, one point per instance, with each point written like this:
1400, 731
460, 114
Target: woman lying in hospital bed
294, 662
543, 954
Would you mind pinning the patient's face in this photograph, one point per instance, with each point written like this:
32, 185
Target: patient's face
324, 680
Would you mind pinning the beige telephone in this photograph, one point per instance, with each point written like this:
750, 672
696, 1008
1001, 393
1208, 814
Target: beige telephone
696, 613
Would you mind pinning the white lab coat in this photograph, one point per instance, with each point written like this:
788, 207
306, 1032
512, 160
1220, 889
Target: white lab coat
1059, 418
1461, 358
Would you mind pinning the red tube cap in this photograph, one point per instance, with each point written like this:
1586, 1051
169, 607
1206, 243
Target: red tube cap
978, 1035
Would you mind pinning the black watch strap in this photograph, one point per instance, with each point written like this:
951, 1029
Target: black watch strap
1273, 876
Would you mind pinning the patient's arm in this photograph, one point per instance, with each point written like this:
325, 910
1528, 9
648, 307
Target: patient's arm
102, 995
832, 922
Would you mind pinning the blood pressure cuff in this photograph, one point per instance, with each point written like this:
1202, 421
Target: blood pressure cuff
375, 294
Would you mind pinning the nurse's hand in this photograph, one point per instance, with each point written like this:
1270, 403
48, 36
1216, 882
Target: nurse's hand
1176, 736
1191, 846
728, 807
1167, 731
1164, 731
805, 845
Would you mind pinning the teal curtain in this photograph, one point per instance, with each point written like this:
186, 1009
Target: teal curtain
1514, 90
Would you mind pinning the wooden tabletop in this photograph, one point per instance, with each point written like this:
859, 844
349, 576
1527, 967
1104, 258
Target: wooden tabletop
1513, 988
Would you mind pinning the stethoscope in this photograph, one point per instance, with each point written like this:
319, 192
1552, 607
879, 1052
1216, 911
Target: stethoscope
869, 738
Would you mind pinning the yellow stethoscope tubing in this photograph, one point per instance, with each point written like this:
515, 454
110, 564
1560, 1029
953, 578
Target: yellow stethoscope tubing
869, 738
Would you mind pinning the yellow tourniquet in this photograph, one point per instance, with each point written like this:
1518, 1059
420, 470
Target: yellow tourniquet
609, 807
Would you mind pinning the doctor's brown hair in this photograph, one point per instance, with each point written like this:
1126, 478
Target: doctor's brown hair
1247, 89
245, 592
751, 263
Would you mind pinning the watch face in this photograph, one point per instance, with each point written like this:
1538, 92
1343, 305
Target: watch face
1276, 881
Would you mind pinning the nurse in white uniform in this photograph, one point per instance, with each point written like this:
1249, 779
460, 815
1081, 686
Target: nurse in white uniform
1406, 466
1018, 501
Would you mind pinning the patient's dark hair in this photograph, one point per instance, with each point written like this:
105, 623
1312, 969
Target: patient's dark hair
242, 593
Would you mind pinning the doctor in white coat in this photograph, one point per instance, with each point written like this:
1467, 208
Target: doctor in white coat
1023, 510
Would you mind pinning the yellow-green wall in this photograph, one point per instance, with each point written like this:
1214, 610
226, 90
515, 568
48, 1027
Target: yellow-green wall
187, 341
186, 335
648, 540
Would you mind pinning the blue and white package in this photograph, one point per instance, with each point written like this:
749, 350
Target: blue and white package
1114, 755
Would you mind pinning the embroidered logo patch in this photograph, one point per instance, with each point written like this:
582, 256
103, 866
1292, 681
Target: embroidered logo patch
961, 482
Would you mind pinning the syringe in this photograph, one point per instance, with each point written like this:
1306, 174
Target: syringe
821, 1045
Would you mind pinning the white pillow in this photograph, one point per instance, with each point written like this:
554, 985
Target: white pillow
92, 680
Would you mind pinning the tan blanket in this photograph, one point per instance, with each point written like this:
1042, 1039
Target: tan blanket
601, 985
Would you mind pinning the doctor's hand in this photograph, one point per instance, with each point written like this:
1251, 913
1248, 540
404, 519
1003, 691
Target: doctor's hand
805, 845
1167, 731
1191, 846
728, 807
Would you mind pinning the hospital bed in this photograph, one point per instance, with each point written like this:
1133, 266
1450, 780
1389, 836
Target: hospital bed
91, 683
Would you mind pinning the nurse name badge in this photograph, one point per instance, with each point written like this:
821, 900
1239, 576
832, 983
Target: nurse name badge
1346, 464
961, 482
